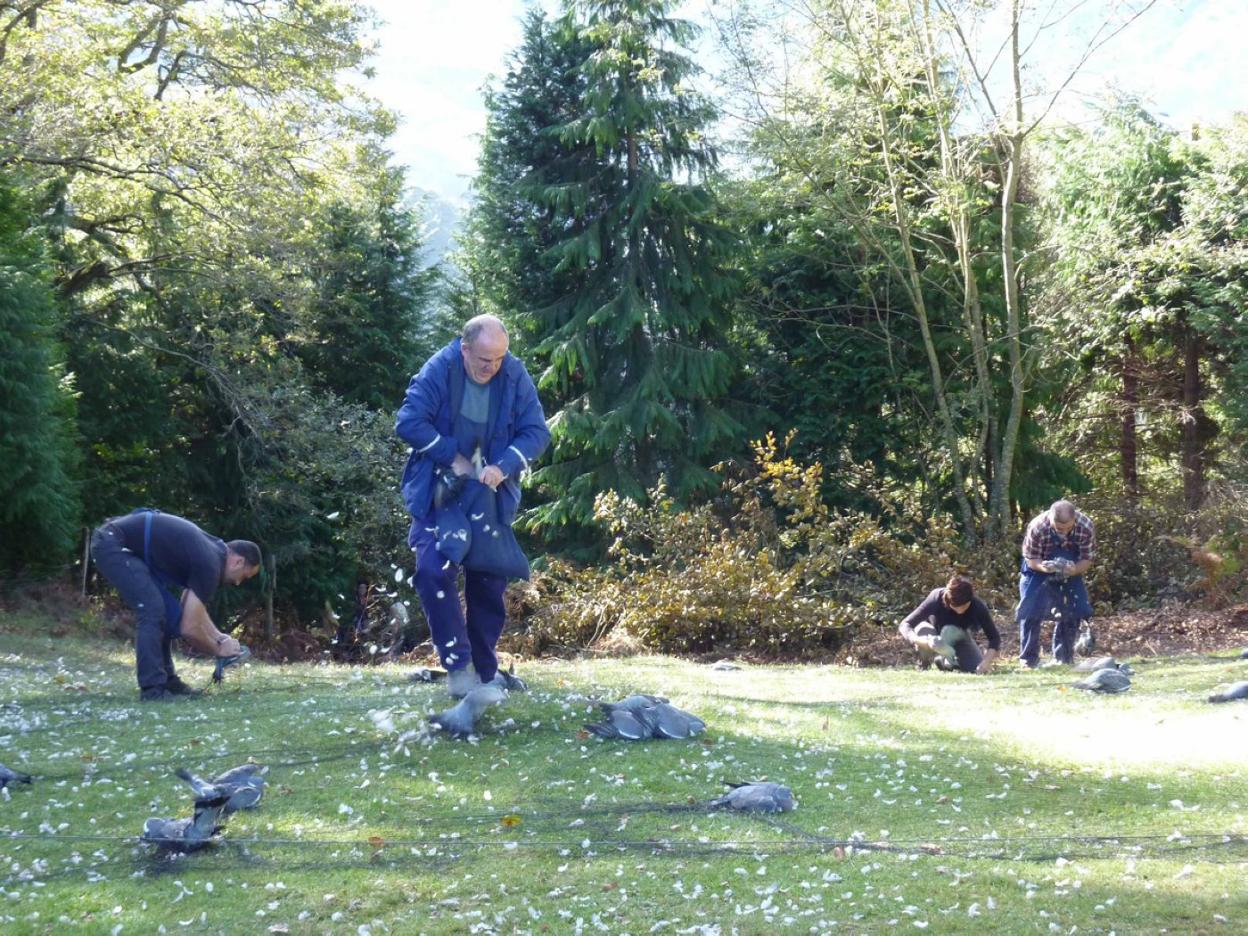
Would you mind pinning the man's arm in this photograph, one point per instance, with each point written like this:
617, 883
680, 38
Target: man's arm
414, 423
530, 439
199, 631
994, 640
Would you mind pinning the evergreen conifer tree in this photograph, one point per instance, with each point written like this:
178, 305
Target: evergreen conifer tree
38, 501
636, 346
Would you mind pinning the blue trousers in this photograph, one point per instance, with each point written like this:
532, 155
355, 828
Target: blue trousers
150, 602
1065, 632
459, 639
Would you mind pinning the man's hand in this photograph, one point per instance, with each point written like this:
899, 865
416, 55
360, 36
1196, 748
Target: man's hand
492, 476
986, 664
461, 466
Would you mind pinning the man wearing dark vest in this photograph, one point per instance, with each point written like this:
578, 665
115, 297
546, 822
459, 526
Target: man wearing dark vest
471, 416
147, 553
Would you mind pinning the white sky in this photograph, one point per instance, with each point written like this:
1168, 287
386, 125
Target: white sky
1184, 57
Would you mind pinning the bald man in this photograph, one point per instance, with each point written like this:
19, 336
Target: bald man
1058, 548
471, 412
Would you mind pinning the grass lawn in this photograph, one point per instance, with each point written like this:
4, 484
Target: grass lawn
1008, 803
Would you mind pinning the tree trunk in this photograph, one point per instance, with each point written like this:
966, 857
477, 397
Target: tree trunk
999, 504
1129, 444
1194, 420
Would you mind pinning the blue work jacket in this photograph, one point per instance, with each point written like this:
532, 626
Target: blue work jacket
516, 437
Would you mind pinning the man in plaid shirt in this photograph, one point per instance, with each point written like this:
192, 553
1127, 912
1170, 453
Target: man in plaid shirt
1058, 548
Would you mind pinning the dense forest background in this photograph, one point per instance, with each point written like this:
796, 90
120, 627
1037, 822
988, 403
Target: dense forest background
811, 330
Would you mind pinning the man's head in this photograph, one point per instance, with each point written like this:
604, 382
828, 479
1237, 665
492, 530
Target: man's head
242, 561
1062, 516
958, 594
484, 346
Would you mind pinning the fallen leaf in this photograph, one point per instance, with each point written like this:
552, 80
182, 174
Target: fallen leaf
376, 841
510, 821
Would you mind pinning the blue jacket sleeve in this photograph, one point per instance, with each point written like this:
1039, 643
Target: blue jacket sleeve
531, 435
427, 395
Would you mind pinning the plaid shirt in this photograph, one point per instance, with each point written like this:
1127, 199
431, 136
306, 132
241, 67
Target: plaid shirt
1041, 541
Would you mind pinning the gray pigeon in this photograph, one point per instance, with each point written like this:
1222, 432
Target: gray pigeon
1106, 680
644, 716
724, 666
624, 725
1087, 640
1238, 690
671, 722
633, 703
757, 797
187, 835
242, 786
460, 719
1244, 654
8, 776
1100, 663
507, 679
947, 640
424, 674
218, 672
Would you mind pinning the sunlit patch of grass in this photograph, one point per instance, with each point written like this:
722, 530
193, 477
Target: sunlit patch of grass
926, 800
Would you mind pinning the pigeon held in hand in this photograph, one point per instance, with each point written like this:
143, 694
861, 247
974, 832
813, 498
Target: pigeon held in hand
1237, 691
8, 775
1106, 680
460, 720
765, 797
218, 672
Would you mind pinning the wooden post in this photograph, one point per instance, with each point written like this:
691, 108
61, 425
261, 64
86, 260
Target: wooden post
268, 597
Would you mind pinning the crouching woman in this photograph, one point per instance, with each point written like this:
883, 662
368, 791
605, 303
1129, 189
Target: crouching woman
942, 628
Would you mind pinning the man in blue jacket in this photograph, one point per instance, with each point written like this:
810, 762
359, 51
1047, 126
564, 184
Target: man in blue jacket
471, 412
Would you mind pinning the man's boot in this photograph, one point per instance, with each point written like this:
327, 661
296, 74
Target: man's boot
177, 687
460, 682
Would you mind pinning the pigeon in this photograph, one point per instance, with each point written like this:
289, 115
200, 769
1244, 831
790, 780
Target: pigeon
507, 679
424, 674
1087, 640
724, 666
625, 725
460, 719
1238, 690
1106, 680
242, 786
947, 640
645, 716
671, 722
1244, 654
1100, 663
187, 835
8, 776
758, 796
218, 672
633, 703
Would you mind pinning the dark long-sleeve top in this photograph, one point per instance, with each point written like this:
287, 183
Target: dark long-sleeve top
933, 607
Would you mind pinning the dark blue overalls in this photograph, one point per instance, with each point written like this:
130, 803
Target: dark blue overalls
147, 591
472, 639
1042, 596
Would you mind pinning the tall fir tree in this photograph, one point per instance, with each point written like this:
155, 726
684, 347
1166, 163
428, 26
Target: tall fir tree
38, 500
636, 349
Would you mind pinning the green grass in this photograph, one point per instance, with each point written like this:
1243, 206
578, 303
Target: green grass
1043, 808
